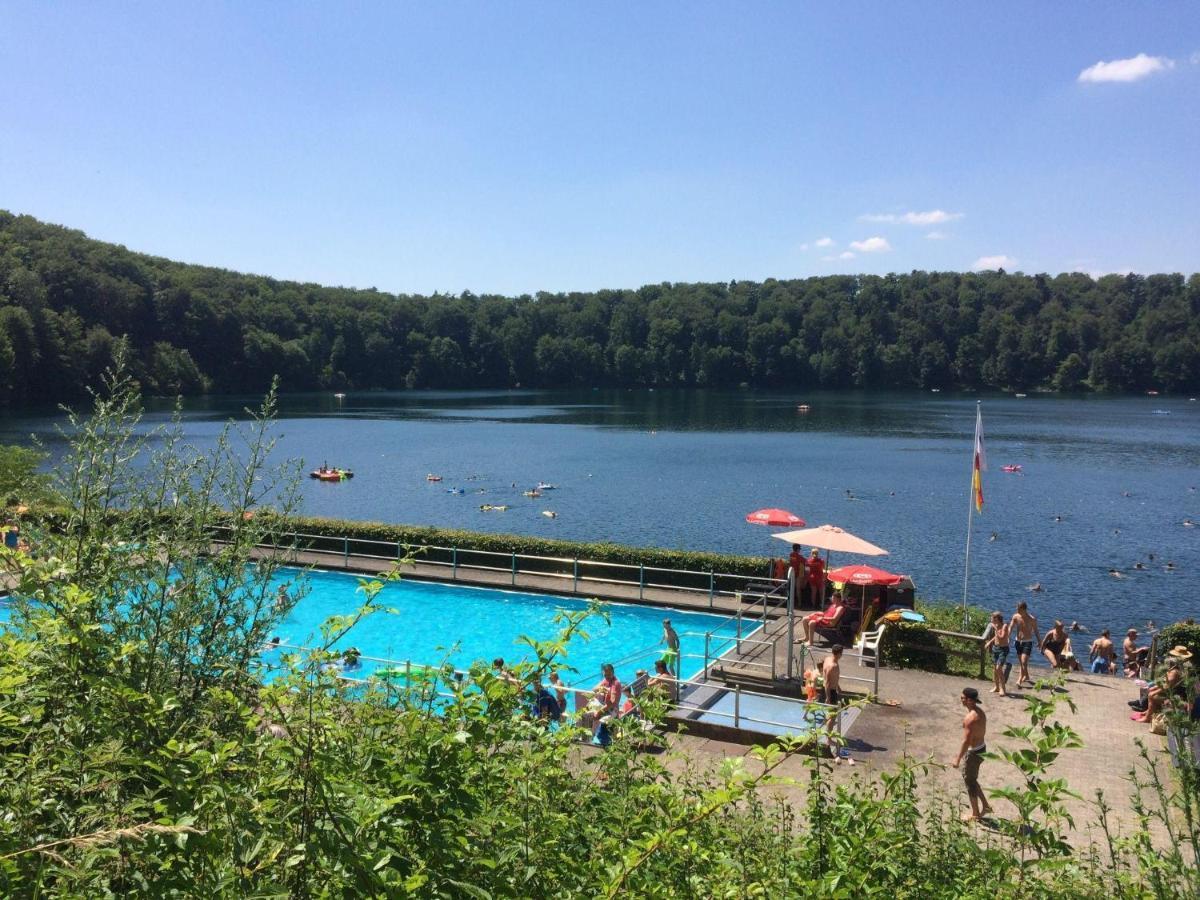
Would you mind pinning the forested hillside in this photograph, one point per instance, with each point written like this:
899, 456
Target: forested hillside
66, 300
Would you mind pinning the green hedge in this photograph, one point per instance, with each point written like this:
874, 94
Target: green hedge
913, 645
1179, 634
534, 546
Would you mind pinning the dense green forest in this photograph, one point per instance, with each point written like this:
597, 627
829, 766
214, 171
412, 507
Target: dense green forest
66, 300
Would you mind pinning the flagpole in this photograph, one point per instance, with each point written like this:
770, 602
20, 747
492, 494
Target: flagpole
970, 512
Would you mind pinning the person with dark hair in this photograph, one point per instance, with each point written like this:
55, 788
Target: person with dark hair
1103, 655
974, 745
1025, 626
799, 574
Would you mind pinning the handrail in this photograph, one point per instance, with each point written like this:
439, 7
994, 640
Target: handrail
341, 545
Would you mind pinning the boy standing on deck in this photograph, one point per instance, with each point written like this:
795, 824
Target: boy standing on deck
974, 745
671, 656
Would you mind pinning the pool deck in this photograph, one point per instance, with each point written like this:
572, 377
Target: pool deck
926, 725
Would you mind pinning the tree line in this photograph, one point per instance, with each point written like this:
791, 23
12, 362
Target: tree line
67, 301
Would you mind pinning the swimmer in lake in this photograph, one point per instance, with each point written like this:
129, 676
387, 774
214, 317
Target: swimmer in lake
1138, 565
1036, 587
1058, 518
1115, 573
993, 536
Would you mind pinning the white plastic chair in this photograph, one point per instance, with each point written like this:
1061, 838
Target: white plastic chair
869, 640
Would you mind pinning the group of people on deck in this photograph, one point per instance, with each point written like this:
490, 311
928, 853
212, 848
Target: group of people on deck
609, 699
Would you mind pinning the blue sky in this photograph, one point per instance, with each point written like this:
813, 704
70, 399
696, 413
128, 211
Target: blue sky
519, 147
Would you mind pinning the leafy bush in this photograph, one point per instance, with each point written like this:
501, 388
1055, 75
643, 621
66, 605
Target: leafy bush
1180, 634
913, 645
420, 535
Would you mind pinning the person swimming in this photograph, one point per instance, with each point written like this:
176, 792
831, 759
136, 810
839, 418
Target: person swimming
1036, 587
1115, 573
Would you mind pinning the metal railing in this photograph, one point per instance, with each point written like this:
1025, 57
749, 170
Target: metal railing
845, 675
574, 570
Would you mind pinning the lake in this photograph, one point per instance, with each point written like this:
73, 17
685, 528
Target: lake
1106, 482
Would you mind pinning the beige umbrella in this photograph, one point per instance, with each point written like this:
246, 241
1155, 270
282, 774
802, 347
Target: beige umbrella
830, 537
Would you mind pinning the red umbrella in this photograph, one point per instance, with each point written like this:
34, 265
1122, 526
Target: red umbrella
776, 517
863, 575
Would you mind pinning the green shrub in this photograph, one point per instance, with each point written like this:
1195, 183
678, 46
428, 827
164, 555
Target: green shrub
1180, 634
913, 645
695, 561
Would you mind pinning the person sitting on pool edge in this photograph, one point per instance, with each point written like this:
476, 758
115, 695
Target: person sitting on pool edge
663, 682
830, 618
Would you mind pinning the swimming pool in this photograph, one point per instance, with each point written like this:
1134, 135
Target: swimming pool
452, 623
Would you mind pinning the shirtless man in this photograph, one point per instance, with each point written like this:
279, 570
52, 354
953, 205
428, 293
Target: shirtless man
1024, 625
831, 672
974, 745
1103, 654
671, 639
1135, 656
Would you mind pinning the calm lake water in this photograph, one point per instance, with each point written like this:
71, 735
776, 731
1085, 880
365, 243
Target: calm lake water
1106, 483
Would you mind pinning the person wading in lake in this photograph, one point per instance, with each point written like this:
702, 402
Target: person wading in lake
974, 745
1024, 625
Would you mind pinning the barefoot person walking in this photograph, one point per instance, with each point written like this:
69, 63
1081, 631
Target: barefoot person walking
995, 638
973, 746
1025, 626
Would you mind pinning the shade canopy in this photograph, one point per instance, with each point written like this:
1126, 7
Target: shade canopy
863, 575
777, 517
830, 537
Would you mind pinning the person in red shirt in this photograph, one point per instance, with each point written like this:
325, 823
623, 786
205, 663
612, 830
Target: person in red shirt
816, 577
831, 618
799, 577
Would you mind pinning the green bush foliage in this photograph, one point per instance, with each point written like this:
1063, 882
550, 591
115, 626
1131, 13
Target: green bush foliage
1180, 634
913, 645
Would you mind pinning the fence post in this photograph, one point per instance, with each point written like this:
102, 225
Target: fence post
641, 581
737, 706
454, 563
575, 575
739, 630
345, 552
514, 569
712, 588
707, 635
982, 659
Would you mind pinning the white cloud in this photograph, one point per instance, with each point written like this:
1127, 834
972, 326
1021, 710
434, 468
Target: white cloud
937, 236
931, 217
993, 262
846, 254
804, 246
1195, 58
826, 242
1134, 68
871, 245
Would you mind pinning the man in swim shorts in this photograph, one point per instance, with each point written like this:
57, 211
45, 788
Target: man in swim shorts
831, 674
671, 655
974, 745
1024, 625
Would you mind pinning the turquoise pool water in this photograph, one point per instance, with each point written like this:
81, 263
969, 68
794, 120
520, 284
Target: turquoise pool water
436, 623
